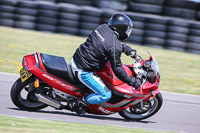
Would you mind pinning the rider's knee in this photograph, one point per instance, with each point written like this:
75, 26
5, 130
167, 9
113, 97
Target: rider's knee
107, 96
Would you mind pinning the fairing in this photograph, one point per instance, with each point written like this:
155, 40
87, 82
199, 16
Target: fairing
108, 76
34, 64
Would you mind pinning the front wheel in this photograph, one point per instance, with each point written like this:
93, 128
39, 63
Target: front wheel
22, 94
150, 107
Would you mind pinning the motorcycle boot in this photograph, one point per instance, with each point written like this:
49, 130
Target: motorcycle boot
72, 105
82, 104
78, 105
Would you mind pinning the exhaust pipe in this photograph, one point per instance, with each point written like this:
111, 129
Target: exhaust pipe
48, 101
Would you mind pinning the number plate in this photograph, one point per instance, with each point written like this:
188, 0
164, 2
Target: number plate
24, 74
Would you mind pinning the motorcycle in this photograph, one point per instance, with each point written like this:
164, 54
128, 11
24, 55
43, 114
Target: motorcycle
47, 80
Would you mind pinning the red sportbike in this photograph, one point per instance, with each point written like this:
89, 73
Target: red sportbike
47, 80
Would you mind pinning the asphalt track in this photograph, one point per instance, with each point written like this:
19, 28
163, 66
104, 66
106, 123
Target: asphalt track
179, 113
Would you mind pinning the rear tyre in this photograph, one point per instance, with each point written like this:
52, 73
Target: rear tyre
150, 107
21, 100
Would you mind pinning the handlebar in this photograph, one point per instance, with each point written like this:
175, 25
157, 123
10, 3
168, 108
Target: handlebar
138, 69
133, 54
136, 56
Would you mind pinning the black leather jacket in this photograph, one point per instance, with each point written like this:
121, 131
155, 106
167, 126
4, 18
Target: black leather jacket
102, 45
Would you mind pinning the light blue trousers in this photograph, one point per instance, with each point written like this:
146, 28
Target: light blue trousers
91, 80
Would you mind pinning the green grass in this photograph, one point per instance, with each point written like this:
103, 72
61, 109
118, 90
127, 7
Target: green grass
180, 72
19, 125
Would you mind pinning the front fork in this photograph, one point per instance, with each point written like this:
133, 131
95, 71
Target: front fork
153, 94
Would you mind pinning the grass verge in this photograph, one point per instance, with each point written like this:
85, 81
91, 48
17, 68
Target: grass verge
19, 125
180, 72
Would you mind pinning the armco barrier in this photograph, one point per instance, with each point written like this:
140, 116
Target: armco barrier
175, 31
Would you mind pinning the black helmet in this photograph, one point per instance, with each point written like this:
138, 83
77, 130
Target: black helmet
122, 24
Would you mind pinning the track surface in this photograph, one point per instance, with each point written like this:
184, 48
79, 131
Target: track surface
179, 113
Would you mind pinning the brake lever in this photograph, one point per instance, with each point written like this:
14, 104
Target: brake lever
137, 57
140, 58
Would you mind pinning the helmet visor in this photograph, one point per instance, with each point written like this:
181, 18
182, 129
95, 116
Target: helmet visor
129, 30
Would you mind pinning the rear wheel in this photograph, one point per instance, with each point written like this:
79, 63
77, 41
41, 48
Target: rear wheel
150, 107
23, 94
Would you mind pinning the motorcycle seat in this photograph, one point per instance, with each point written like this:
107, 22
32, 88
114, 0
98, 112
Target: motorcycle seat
59, 67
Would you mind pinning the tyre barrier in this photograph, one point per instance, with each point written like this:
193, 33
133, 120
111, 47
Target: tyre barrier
115, 5
7, 11
193, 43
77, 2
68, 17
47, 16
137, 36
155, 33
90, 18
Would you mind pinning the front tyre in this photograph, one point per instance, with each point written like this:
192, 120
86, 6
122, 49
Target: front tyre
21, 94
150, 107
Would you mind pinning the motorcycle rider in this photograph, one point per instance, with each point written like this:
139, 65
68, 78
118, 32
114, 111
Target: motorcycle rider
103, 44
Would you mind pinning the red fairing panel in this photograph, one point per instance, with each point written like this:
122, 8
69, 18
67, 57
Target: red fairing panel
30, 61
40, 62
108, 76
55, 82
96, 109
129, 90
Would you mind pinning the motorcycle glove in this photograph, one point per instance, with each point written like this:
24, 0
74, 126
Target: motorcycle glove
127, 50
136, 82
